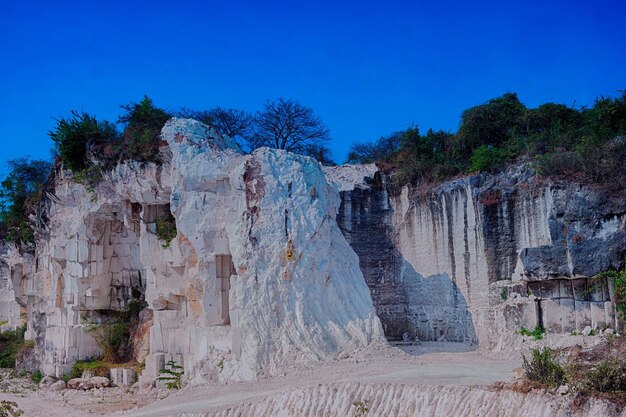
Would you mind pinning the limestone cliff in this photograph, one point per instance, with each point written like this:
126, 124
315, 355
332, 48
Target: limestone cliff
277, 261
474, 259
258, 277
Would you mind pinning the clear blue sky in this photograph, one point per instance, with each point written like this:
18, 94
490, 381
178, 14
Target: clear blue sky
366, 67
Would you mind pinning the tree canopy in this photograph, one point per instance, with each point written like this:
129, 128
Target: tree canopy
19, 192
287, 124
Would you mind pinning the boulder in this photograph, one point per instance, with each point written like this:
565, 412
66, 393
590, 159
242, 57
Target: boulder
86, 384
46, 381
58, 386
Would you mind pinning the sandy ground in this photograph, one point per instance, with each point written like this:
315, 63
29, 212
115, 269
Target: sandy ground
426, 364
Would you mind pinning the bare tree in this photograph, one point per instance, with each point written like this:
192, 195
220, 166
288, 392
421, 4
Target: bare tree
233, 123
287, 124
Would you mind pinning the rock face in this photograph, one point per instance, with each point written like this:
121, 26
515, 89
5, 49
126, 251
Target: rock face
272, 266
9, 308
258, 277
474, 259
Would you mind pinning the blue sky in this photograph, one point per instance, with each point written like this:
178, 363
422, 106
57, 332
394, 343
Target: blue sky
367, 68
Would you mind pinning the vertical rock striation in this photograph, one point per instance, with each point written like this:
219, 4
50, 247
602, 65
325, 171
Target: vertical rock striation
473, 259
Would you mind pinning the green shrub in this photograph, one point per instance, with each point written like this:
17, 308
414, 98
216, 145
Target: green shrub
504, 294
544, 368
607, 376
537, 332
492, 123
11, 342
166, 230
111, 336
73, 135
171, 374
488, 158
37, 376
142, 134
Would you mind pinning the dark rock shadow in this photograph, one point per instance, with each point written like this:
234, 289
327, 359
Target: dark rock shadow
411, 307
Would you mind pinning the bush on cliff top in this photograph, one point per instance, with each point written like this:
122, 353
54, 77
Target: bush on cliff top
74, 135
587, 144
142, 134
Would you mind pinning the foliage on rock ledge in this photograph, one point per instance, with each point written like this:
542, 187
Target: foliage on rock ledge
166, 230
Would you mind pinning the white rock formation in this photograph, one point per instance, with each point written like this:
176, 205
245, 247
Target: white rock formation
9, 308
259, 276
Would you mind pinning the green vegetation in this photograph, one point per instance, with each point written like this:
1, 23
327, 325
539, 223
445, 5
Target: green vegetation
166, 230
113, 335
619, 281
360, 408
20, 192
142, 134
172, 374
9, 409
537, 332
587, 144
544, 368
96, 367
607, 376
110, 336
11, 343
503, 294
75, 135
37, 376
600, 372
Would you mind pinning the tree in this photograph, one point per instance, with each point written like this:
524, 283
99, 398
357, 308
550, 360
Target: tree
234, 123
74, 135
287, 124
492, 123
380, 150
142, 133
19, 192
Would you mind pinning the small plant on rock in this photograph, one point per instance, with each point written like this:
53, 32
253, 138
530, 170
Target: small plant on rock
166, 230
360, 408
37, 376
172, 374
544, 368
537, 332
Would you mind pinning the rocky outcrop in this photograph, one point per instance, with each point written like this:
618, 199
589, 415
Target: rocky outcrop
259, 276
474, 259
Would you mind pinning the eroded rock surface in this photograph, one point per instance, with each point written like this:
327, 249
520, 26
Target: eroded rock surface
258, 277
474, 259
